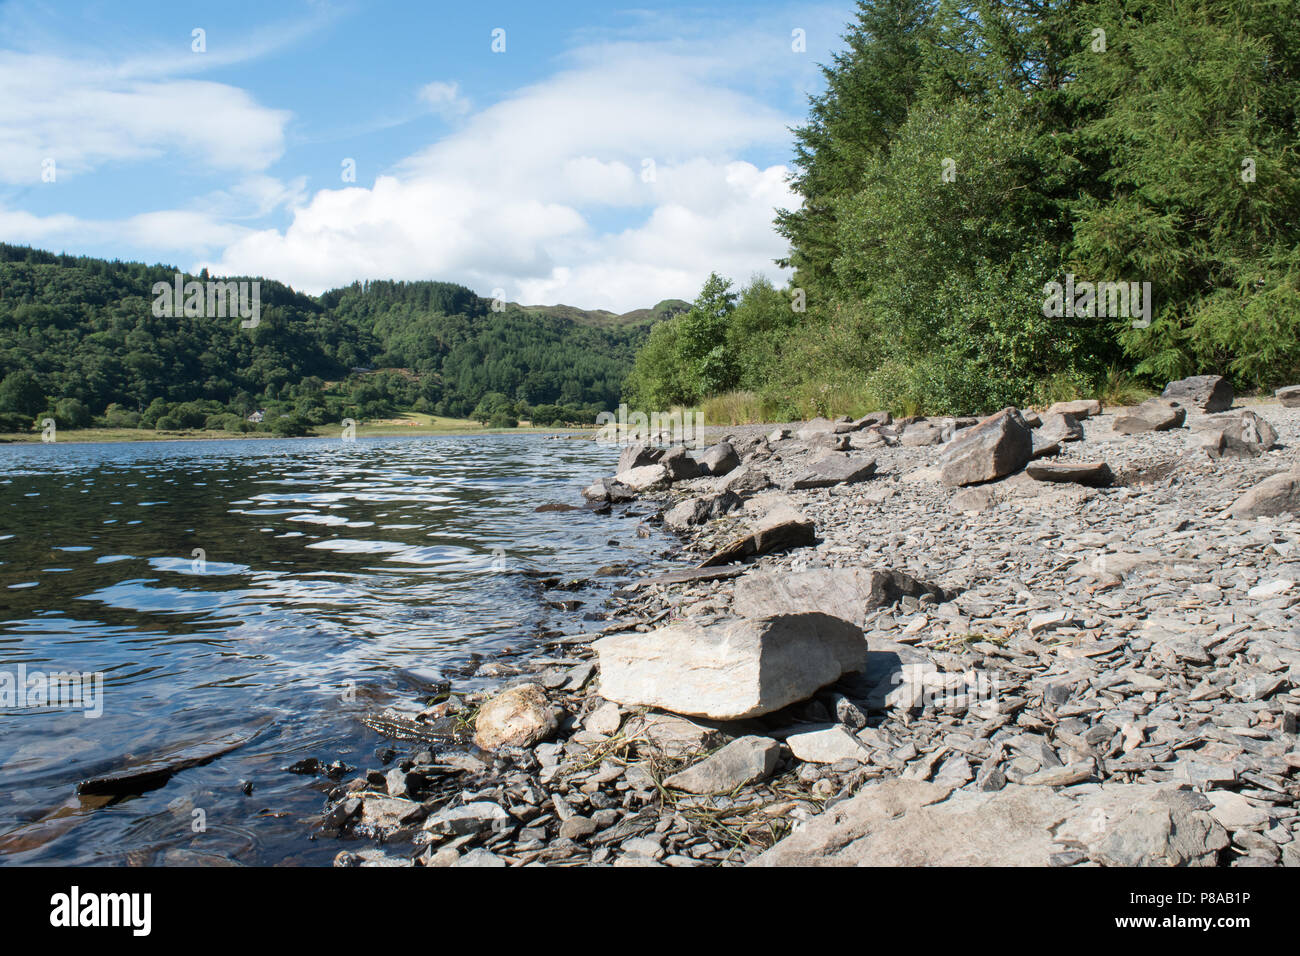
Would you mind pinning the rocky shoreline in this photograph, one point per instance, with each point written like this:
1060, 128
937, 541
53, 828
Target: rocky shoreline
1059, 638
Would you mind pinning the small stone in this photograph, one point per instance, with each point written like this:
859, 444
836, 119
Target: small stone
605, 719
739, 763
518, 717
827, 744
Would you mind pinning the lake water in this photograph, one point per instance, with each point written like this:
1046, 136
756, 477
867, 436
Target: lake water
219, 586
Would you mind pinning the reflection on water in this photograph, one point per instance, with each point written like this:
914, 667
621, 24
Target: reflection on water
218, 584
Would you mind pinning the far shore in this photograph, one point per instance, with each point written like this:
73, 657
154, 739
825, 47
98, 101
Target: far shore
109, 436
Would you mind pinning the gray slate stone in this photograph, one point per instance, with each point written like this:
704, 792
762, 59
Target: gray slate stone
1209, 393
996, 447
836, 470
847, 593
739, 763
719, 459
1153, 415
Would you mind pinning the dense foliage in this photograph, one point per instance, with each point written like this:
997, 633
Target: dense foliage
79, 343
965, 154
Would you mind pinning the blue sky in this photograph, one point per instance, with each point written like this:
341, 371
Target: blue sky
609, 157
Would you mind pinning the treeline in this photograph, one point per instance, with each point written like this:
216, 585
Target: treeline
965, 155
79, 343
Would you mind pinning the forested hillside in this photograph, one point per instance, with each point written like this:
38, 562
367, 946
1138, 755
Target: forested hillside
964, 155
79, 342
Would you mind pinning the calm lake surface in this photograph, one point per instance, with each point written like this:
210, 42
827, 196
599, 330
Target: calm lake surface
219, 586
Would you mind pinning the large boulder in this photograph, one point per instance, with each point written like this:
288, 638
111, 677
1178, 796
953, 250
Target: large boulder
836, 470
907, 822
518, 717
729, 671
1243, 435
996, 447
781, 529
848, 593
719, 459
645, 478
920, 434
679, 464
745, 480
607, 489
1209, 393
695, 511
637, 455
1277, 495
1058, 427
1289, 396
1153, 415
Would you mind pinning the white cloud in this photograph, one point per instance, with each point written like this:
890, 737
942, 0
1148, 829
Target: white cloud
83, 115
616, 182
445, 99
512, 198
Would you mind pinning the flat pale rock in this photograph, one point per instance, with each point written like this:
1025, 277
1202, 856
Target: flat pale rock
689, 576
906, 822
739, 763
827, 743
920, 434
673, 736
836, 470
1153, 415
1080, 408
729, 671
644, 477
1289, 396
1095, 474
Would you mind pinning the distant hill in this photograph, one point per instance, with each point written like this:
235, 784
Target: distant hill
79, 337
602, 318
